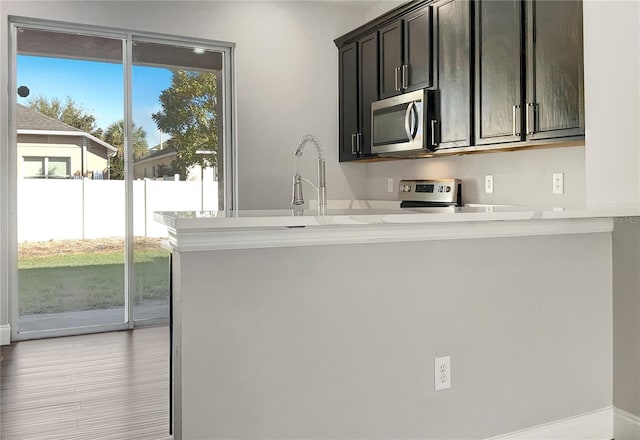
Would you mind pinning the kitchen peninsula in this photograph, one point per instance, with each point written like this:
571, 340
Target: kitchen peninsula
306, 326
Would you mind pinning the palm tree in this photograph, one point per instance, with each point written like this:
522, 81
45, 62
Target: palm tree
114, 135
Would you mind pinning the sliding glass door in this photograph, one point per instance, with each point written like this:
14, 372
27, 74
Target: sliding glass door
177, 109
71, 214
110, 128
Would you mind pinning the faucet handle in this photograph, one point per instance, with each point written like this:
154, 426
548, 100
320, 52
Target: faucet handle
297, 197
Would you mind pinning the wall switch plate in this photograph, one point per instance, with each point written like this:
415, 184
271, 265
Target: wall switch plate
488, 184
558, 183
390, 184
442, 373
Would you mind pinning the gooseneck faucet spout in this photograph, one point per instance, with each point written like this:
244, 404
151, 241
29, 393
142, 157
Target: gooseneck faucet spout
297, 198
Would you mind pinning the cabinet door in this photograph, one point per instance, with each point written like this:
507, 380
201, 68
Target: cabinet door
417, 50
368, 92
390, 59
348, 101
499, 71
452, 27
555, 88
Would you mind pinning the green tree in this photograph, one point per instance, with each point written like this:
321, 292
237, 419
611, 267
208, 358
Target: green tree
114, 135
188, 115
71, 113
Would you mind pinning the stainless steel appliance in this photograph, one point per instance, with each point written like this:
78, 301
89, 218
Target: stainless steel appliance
403, 125
420, 193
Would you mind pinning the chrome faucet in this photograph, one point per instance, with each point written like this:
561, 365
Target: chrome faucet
297, 198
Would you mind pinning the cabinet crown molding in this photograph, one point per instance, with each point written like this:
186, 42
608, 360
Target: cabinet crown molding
382, 20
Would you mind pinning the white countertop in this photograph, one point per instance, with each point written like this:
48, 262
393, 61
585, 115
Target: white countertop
287, 218
215, 230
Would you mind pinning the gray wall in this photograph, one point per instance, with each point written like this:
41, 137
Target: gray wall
519, 177
612, 57
380, 7
339, 341
626, 314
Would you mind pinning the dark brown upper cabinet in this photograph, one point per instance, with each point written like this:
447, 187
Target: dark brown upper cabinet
405, 54
452, 54
348, 102
418, 73
555, 69
545, 101
368, 91
506, 73
391, 59
358, 88
499, 69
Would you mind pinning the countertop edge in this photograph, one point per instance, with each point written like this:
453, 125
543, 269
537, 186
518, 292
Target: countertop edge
214, 239
267, 219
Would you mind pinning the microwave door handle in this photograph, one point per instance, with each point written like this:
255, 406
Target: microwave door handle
408, 119
415, 120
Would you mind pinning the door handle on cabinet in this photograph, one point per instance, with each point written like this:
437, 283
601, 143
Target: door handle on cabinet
516, 109
531, 128
405, 76
353, 143
397, 71
434, 123
359, 143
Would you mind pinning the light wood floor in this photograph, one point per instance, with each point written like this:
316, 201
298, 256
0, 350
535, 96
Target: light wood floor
104, 386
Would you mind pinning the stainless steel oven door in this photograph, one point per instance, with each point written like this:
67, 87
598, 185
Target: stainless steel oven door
397, 123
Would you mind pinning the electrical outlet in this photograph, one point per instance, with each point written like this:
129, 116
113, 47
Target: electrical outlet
442, 373
488, 184
558, 183
390, 184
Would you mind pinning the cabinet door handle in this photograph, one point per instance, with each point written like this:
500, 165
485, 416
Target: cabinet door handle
516, 131
397, 70
359, 143
434, 123
353, 143
405, 76
531, 128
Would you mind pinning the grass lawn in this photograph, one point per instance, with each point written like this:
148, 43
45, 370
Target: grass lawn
89, 280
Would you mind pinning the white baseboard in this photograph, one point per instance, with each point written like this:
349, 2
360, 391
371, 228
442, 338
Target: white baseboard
5, 334
626, 426
595, 425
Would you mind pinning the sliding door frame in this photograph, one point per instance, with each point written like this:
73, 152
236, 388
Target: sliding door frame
229, 145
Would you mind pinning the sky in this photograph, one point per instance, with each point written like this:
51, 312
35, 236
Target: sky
97, 87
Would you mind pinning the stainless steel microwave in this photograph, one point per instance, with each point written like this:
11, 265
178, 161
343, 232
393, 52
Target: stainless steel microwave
403, 125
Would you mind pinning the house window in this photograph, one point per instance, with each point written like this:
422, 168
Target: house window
46, 167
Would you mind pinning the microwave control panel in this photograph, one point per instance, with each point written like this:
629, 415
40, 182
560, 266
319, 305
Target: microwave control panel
437, 190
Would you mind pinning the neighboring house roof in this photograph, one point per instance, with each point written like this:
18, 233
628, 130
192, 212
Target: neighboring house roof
159, 154
29, 121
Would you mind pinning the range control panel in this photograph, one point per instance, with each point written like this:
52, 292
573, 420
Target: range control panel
444, 191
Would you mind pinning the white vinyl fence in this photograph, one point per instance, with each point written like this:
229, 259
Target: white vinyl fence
51, 209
